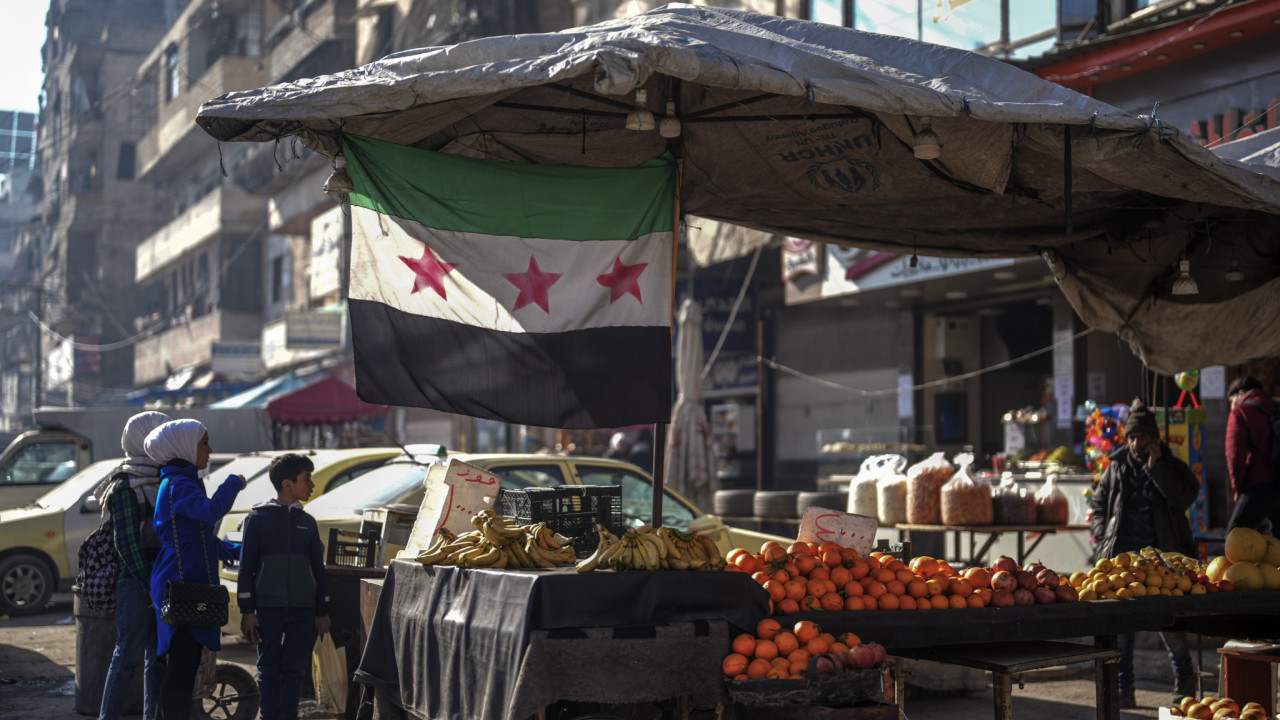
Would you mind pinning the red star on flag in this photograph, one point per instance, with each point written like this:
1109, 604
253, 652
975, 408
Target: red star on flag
623, 280
428, 272
533, 285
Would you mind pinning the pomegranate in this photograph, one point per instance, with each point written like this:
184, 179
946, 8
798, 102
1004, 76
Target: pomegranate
863, 655
1044, 596
1002, 598
824, 667
1006, 563
880, 653
1022, 596
1026, 580
1047, 579
1004, 580
1066, 593
1035, 567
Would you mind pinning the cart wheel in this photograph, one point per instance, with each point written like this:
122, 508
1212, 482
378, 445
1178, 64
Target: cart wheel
234, 696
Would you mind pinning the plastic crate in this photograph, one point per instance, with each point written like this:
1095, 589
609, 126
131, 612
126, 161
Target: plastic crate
359, 553
571, 510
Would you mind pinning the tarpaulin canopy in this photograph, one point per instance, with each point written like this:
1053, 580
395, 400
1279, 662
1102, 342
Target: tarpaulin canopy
327, 401
810, 130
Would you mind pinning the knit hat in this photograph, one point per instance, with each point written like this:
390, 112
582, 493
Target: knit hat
1142, 420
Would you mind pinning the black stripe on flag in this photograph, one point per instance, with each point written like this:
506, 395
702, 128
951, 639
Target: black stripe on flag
590, 378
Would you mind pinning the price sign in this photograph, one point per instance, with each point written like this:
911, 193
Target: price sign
819, 525
456, 492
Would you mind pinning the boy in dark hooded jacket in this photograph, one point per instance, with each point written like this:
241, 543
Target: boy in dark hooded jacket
282, 589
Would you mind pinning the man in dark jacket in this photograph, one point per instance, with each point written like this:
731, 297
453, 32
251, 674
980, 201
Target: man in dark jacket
1141, 500
1249, 455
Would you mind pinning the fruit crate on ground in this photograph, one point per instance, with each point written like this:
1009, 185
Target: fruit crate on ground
845, 689
571, 510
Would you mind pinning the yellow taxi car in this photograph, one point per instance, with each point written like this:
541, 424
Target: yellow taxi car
333, 469
399, 481
40, 543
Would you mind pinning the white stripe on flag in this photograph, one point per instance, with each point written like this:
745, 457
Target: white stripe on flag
477, 291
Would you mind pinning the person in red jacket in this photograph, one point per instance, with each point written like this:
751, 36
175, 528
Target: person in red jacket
1253, 480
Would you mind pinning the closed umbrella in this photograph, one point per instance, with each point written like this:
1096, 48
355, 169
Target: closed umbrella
688, 456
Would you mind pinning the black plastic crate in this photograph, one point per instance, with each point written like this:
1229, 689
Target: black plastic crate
360, 553
571, 510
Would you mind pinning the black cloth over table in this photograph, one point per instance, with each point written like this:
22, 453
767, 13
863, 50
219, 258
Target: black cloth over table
452, 643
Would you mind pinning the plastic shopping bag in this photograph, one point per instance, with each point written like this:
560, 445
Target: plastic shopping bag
329, 674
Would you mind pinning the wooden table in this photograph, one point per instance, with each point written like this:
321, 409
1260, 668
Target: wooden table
978, 554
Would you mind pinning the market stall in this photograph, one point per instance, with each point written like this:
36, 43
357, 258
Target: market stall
1027, 537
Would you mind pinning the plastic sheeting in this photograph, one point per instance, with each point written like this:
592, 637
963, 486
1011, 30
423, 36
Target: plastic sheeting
807, 130
450, 643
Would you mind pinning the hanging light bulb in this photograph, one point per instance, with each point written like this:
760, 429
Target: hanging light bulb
1185, 284
1233, 274
339, 184
927, 144
669, 126
640, 118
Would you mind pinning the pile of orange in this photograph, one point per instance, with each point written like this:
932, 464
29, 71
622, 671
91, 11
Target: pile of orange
809, 576
779, 654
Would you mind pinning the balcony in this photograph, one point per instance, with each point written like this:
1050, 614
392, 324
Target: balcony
228, 209
190, 344
176, 141
324, 22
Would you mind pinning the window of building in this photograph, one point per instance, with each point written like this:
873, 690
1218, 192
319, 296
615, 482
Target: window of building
125, 163
172, 73
277, 280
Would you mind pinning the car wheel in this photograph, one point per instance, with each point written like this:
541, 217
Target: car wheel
234, 696
26, 584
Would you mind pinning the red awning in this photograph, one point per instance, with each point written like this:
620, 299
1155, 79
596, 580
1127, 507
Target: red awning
328, 401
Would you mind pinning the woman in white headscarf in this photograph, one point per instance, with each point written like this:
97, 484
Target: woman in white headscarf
187, 522
131, 501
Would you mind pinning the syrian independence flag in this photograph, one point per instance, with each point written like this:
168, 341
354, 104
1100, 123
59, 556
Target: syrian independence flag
532, 294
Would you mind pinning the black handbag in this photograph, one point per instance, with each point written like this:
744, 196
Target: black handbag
193, 604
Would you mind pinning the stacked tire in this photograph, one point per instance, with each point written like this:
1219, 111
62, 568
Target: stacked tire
779, 504
823, 499
733, 503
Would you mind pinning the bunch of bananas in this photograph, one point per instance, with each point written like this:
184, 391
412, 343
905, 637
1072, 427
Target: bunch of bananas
498, 542
650, 548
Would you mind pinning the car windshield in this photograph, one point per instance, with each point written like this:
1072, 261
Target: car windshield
69, 492
397, 481
252, 468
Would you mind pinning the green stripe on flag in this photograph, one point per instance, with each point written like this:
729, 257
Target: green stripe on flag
490, 197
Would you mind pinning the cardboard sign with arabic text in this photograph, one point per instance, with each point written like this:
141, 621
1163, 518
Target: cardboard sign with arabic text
845, 529
455, 492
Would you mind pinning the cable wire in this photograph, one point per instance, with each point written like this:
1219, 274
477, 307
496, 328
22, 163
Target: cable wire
922, 386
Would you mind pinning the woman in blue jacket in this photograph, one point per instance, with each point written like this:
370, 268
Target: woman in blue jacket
187, 521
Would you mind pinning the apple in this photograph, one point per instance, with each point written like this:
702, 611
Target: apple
1006, 563
1026, 580
1225, 586
1002, 598
1004, 580
1066, 593
1047, 579
1202, 579
1211, 587
1022, 596
1191, 574
1044, 596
